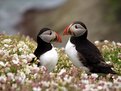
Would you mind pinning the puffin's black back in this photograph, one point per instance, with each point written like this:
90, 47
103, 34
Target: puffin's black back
92, 57
42, 46
87, 49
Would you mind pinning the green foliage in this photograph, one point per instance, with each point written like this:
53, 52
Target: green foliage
63, 61
114, 10
111, 52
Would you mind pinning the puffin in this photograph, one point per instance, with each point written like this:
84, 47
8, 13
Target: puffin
45, 51
83, 53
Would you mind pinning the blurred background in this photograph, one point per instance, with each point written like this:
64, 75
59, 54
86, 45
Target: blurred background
102, 17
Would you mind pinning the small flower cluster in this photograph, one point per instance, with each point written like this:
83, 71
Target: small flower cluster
111, 52
16, 74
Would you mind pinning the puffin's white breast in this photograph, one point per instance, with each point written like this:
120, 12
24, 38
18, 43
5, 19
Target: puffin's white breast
49, 59
73, 55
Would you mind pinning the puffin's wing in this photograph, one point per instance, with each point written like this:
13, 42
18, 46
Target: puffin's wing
94, 59
36, 53
90, 52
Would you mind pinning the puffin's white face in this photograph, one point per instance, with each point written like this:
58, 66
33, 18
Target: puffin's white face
77, 30
50, 36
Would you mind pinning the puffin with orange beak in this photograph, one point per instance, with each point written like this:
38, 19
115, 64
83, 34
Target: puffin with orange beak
82, 52
45, 51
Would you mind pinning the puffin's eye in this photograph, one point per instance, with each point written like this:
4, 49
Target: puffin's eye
76, 26
50, 33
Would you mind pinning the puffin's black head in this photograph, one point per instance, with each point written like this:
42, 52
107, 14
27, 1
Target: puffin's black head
76, 29
47, 35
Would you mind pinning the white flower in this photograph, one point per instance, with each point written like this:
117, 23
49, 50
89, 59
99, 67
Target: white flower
85, 81
43, 69
7, 69
10, 76
6, 53
119, 78
2, 64
119, 44
106, 41
99, 87
25, 46
89, 87
108, 62
2, 78
105, 47
85, 76
20, 78
114, 43
37, 89
24, 61
117, 82
27, 70
52, 74
94, 75
34, 69
62, 71
97, 42
109, 84
5, 45
31, 55
59, 78
23, 56
20, 49
35, 75
63, 89
22, 45
102, 84
45, 83
62, 48
14, 86
14, 49
67, 78
48, 89
54, 83
15, 59
6, 41
2, 52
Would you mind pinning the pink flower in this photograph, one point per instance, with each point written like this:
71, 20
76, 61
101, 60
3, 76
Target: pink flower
10, 76
35, 69
94, 75
2, 78
37, 89
62, 72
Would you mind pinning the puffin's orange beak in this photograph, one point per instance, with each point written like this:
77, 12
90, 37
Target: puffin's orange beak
66, 31
58, 38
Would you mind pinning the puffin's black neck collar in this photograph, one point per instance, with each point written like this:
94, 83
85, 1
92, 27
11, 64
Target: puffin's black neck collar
42, 47
79, 39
